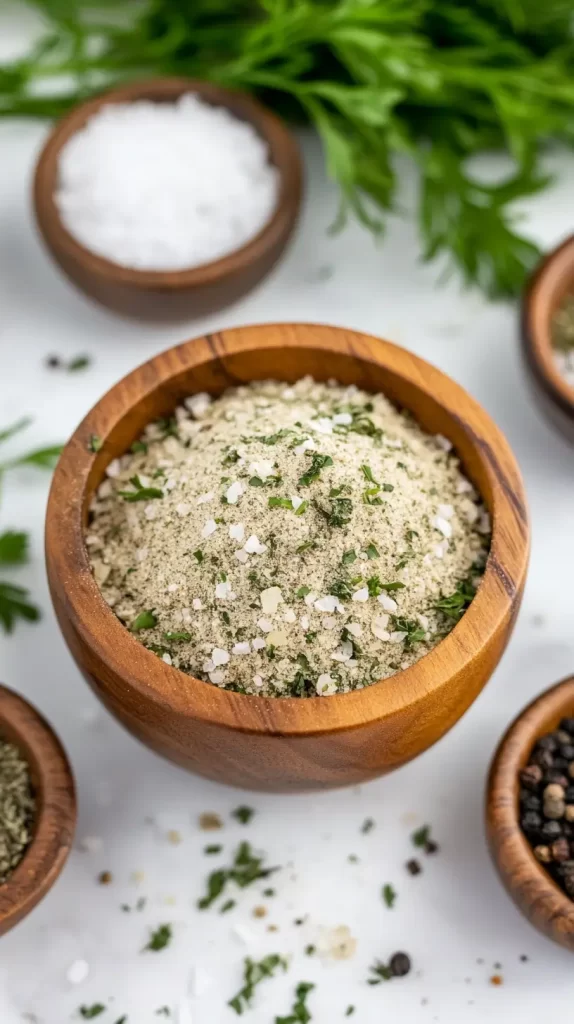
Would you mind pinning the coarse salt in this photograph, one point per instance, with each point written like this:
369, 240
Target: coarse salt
209, 528
388, 603
234, 492
361, 595
198, 404
253, 546
165, 186
270, 599
219, 656
237, 532
204, 498
241, 648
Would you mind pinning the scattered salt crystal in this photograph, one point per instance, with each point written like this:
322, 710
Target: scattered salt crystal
105, 489
183, 509
326, 686
361, 595
277, 638
242, 556
388, 603
264, 468
290, 616
270, 598
483, 525
442, 525
441, 549
219, 656
78, 972
234, 492
304, 620
257, 681
141, 554
344, 652
241, 648
306, 446
198, 404
398, 636
379, 627
237, 531
422, 621
326, 604
209, 528
91, 844
264, 625
208, 666
204, 498
354, 628
114, 469
172, 588
464, 487
310, 599
223, 591
393, 442
199, 982
167, 658
446, 511
258, 644
443, 442
253, 546
296, 501
329, 622
217, 677
323, 425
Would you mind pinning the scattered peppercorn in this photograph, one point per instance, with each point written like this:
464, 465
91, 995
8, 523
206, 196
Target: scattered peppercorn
400, 964
259, 911
546, 801
210, 822
413, 867
105, 878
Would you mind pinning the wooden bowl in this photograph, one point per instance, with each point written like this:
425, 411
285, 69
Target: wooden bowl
285, 743
551, 283
527, 882
55, 822
171, 295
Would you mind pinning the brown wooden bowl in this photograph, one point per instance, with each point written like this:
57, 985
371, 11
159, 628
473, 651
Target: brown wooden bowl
285, 743
551, 283
55, 822
171, 295
527, 882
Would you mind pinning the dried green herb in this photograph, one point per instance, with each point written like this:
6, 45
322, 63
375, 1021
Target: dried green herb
90, 1012
17, 808
421, 836
454, 606
243, 814
254, 973
247, 868
140, 493
145, 620
160, 938
389, 896
318, 462
299, 1011
95, 443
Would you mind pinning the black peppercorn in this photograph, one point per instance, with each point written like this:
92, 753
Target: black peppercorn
555, 775
543, 757
560, 849
432, 847
53, 362
413, 867
547, 743
567, 751
550, 830
531, 776
569, 796
529, 801
568, 725
532, 823
399, 965
569, 884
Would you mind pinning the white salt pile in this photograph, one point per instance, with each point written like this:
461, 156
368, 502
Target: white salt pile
165, 186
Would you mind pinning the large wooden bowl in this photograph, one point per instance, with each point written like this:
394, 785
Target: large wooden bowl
55, 821
171, 295
527, 882
271, 743
551, 283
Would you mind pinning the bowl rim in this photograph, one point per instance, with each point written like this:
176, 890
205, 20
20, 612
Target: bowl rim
285, 157
509, 847
22, 724
546, 288
115, 649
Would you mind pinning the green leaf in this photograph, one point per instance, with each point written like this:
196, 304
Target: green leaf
389, 896
275, 502
145, 620
15, 604
95, 444
78, 363
254, 973
421, 837
371, 551
140, 493
13, 548
91, 1012
43, 458
160, 938
20, 424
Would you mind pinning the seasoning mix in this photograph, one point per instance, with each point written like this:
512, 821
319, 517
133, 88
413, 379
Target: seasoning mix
563, 339
165, 186
288, 540
17, 806
547, 803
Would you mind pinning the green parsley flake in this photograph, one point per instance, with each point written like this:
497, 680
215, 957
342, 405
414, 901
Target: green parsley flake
389, 896
254, 973
160, 938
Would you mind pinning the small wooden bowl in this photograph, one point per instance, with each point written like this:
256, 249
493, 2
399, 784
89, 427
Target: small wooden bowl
172, 295
551, 283
527, 882
55, 822
270, 743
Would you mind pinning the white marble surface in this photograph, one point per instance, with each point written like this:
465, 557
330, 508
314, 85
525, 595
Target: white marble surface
454, 919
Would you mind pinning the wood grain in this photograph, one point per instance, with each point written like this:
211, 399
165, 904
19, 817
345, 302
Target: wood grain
172, 295
55, 821
270, 743
533, 890
551, 283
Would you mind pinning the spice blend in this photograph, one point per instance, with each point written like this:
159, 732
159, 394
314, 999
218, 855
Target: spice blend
547, 803
17, 806
288, 540
563, 339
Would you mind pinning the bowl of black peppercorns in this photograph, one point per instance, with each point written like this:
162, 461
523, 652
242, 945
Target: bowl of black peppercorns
530, 812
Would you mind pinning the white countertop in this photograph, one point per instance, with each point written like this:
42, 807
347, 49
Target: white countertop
454, 919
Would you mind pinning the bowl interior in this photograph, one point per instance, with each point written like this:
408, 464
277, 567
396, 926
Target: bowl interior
288, 352
283, 154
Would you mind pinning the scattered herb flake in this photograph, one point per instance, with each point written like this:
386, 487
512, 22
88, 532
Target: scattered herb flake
90, 1012
140, 493
349, 557
389, 896
160, 938
145, 620
367, 826
371, 551
243, 814
95, 443
368, 475
247, 868
421, 836
212, 848
318, 462
254, 973
299, 1011
227, 906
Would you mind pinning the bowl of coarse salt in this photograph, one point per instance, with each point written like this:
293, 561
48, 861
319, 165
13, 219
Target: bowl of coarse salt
168, 198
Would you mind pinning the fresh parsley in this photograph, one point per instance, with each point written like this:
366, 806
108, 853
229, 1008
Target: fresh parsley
299, 1011
15, 604
13, 548
389, 896
160, 938
253, 974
